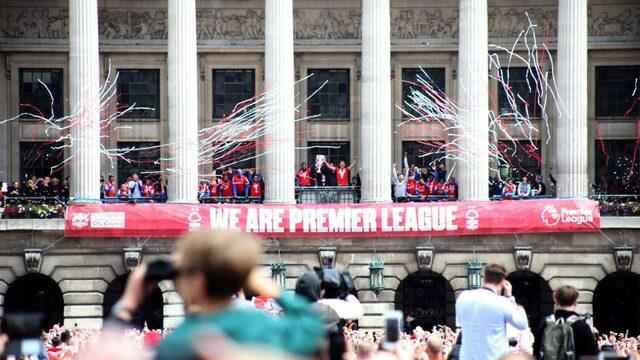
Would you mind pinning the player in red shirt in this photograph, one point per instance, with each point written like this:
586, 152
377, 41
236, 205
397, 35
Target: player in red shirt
213, 187
343, 173
226, 188
304, 175
149, 189
422, 189
240, 185
255, 189
411, 185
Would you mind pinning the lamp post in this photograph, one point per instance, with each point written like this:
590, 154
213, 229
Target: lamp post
474, 274
279, 274
376, 275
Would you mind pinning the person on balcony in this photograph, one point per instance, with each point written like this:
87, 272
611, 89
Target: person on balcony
226, 188
124, 192
539, 188
509, 189
256, 191
15, 190
214, 188
422, 190
109, 189
135, 187
303, 176
400, 182
524, 188
450, 188
203, 191
31, 189
240, 185
342, 173
149, 189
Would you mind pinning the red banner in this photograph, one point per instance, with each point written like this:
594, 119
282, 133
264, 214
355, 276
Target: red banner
336, 220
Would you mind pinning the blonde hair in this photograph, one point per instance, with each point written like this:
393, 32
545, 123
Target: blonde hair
225, 258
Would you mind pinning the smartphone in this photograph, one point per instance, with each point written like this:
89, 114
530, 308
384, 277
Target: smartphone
158, 270
392, 329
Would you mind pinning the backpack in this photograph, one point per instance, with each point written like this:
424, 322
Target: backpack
559, 343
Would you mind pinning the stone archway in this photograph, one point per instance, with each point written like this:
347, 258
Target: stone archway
36, 293
533, 292
426, 299
616, 303
151, 312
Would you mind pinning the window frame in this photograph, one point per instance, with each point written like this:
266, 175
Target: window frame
405, 87
123, 144
598, 91
253, 87
500, 95
311, 90
133, 115
58, 93
60, 170
312, 150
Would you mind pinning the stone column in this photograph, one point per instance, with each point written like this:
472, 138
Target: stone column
183, 102
571, 123
4, 129
280, 115
473, 99
84, 69
375, 126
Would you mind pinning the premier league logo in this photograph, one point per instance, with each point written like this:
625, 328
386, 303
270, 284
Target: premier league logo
550, 215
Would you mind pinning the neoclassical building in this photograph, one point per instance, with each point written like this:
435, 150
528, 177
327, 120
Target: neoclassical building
189, 62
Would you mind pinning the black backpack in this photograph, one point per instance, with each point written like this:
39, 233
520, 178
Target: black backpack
558, 342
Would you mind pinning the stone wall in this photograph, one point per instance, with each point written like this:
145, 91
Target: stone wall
83, 268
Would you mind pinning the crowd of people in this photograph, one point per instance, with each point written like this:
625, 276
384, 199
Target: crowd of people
514, 189
243, 315
35, 197
426, 184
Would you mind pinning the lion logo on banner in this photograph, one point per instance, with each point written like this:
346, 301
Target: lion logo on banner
550, 215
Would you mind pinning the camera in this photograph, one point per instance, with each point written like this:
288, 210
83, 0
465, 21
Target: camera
23, 330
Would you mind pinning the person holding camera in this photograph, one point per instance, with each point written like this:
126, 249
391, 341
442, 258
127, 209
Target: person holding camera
483, 315
209, 268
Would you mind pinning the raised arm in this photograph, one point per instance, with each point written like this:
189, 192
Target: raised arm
352, 165
406, 167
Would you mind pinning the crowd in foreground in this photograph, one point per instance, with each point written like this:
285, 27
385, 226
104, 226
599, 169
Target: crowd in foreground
214, 272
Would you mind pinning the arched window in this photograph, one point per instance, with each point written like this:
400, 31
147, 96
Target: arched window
616, 303
534, 293
36, 293
150, 312
426, 299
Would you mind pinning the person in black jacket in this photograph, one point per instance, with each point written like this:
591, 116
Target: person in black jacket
565, 298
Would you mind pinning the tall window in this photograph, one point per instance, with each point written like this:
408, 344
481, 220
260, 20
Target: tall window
424, 153
615, 86
34, 97
521, 89
412, 79
237, 155
519, 158
144, 160
39, 158
231, 87
333, 100
142, 88
332, 150
617, 166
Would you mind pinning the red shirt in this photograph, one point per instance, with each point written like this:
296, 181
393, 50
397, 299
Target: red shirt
304, 177
342, 176
255, 190
148, 190
109, 189
226, 188
422, 189
239, 181
213, 189
411, 186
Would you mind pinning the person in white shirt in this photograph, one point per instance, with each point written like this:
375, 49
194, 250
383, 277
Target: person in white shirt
135, 187
524, 188
483, 315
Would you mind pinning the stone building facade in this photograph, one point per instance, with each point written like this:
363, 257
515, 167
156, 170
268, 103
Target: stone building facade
327, 35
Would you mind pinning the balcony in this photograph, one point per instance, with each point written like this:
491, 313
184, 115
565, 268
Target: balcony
327, 195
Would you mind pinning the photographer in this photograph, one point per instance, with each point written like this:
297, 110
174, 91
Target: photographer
210, 267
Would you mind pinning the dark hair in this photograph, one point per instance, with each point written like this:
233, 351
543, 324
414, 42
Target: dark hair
56, 341
494, 274
65, 337
566, 295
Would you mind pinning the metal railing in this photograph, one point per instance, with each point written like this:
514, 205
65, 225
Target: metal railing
327, 194
207, 199
33, 207
618, 204
134, 200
